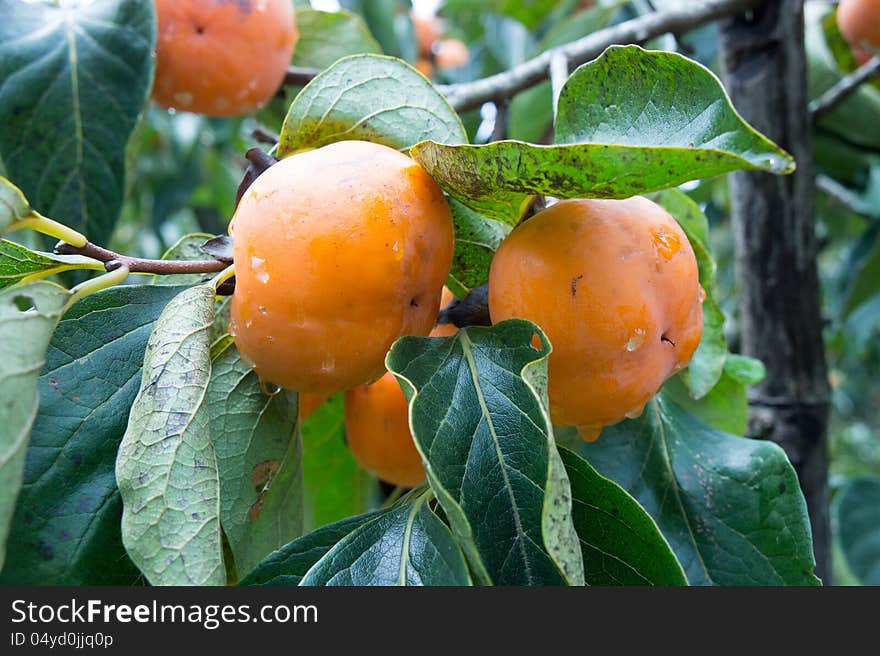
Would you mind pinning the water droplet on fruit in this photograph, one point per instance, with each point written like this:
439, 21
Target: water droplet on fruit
258, 264
635, 413
232, 328
262, 309
328, 364
667, 244
268, 388
636, 340
248, 323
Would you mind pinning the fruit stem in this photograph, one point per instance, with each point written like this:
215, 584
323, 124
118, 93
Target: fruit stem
222, 277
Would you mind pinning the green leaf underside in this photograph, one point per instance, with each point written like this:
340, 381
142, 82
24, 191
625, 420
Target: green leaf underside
28, 316
717, 498
856, 516
630, 122
66, 528
707, 364
335, 487
288, 565
73, 81
325, 36
476, 240
620, 542
18, 262
166, 468
369, 98
407, 545
478, 414
13, 205
258, 458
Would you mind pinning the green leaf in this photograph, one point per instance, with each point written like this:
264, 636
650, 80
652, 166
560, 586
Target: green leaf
745, 370
629, 122
13, 205
66, 529
288, 565
621, 544
856, 517
529, 13
166, 468
725, 407
258, 458
531, 112
479, 416
28, 316
730, 507
369, 98
18, 263
476, 240
73, 80
328, 36
335, 487
407, 546
706, 366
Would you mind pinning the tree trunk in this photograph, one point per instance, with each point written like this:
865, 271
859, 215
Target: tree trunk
774, 238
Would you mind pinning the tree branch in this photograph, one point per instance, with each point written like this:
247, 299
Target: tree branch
469, 95
299, 76
847, 85
113, 261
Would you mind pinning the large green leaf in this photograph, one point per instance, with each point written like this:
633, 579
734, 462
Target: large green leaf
258, 457
18, 263
629, 122
407, 546
706, 366
620, 542
856, 518
166, 468
74, 78
328, 36
66, 525
370, 98
335, 487
288, 565
529, 13
28, 316
478, 412
730, 507
476, 240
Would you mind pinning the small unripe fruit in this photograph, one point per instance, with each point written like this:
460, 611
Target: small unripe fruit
222, 57
614, 285
338, 251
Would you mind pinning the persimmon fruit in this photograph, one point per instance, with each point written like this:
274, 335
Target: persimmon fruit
450, 53
377, 424
308, 403
614, 285
222, 57
859, 23
338, 251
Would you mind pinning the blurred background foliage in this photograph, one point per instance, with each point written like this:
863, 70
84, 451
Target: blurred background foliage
184, 171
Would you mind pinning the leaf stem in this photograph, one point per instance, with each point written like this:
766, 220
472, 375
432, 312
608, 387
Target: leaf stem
47, 226
93, 285
222, 277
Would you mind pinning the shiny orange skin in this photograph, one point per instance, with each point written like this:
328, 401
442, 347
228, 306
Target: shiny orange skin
338, 251
445, 329
450, 53
859, 23
614, 285
377, 431
222, 57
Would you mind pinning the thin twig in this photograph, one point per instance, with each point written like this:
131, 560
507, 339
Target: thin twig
468, 95
113, 261
845, 197
299, 76
844, 87
264, 135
